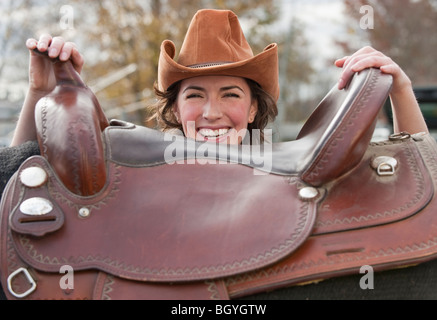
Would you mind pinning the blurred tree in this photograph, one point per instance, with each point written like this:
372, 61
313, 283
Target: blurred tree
405, 30
19, 20
295, 71
127, 32
115, 34
16, 25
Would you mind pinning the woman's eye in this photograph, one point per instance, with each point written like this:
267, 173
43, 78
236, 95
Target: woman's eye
194, 95
232, 95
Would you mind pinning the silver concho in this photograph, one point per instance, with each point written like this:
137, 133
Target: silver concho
36, 206
84, 212
33, 177
308, 193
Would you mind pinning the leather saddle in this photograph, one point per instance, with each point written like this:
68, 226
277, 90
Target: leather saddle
135, 213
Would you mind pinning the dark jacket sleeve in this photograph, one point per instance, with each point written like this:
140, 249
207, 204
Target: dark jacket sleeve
10, 160
12, 157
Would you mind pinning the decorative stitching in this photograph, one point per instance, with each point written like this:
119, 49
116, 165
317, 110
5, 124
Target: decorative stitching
430, 157
62, 197
107, 263
330, 260
44, 126
419, 192
212, 288
319, 164
107, 287
75, 131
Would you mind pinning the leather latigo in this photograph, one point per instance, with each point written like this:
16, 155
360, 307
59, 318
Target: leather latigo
103, 200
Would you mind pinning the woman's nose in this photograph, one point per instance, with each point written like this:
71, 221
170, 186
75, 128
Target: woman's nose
212, 110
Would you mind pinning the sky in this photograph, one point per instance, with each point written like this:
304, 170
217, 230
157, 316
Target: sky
322, 18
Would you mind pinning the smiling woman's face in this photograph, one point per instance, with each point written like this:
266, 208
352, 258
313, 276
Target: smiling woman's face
215, 108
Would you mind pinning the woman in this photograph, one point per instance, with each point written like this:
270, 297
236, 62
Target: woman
214, 92
220, 89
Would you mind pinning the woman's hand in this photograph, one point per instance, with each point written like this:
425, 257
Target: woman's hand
41, 75
407, 115
42, 80
368, 57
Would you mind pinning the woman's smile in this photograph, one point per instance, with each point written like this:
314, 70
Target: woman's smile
215, 108
212, 134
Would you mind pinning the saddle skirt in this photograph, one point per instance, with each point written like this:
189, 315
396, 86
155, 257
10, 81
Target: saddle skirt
142, 214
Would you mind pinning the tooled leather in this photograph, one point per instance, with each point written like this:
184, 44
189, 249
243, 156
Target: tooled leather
109, 287
82, 166
47, 284
384, 199
206, 227
69, 121
309, 268
349, 140
328, 255
94, 284
402, 243
36, 225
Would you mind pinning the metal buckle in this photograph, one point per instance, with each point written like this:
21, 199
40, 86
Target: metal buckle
29, 278
385, 169
399, 136
384, 166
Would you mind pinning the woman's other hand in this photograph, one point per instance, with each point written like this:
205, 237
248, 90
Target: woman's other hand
368, 57
41, 75
407, 115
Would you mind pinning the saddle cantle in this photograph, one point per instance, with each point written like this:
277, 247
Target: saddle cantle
138, 213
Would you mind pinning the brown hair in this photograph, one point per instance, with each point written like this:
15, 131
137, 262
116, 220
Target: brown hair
162, 110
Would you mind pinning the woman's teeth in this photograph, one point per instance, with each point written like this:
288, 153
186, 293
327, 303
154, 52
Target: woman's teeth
213, 133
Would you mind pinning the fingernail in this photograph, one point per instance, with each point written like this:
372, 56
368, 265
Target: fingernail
32, 43
53, 52
63, 56
340, 84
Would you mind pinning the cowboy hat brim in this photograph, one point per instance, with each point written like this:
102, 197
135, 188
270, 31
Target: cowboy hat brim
261, 68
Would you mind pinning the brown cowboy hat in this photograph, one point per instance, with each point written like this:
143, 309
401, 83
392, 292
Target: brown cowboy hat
215, 45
